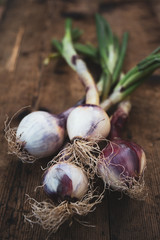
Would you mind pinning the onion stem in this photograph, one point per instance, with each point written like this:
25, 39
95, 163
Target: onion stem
133, 79
111, 54
119, 63
77, 64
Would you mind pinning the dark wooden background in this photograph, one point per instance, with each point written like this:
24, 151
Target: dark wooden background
56, 88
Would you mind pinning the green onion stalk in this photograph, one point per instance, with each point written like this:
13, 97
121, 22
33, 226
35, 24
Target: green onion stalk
109, 55
132, 79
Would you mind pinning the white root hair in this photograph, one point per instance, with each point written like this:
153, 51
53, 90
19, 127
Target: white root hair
81, 152
51, 216
15, 146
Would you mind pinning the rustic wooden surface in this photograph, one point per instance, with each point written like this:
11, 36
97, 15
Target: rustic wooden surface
55, 88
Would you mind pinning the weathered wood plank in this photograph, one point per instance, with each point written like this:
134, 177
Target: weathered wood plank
19, 89
38, 86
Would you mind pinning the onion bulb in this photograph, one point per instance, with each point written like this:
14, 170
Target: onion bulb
69, 188
39, 134
122, 163
88, 122
65, 181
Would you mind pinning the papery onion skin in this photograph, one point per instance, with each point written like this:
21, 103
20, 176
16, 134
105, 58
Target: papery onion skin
122, 162
41, 134
65, 181
88, 122
123, 159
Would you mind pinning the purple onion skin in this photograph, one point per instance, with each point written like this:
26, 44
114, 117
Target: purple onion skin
123, 157
64, 115
64, 188
118, 122
65, 181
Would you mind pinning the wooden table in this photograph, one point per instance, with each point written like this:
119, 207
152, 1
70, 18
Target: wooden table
25, 33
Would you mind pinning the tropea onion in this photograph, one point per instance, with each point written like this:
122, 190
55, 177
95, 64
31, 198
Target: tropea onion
122, 163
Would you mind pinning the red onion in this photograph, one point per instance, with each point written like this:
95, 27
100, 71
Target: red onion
122, 163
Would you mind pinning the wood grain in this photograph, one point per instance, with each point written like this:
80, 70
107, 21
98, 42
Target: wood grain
56, 88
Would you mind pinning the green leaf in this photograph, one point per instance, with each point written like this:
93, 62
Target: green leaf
101, 37
76, 33
143, 69
150, 60
121, 57
57, 45
126, 92
68, 29
110, 36
87, 50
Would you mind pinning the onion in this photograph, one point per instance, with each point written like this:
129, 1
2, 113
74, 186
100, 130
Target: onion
88, 122
69, 188
65, 181
121, 164
39, 134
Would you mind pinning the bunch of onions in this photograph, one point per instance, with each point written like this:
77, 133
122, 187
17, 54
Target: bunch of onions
41, 134
88, 124
71, 194
122, 163
68, 180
